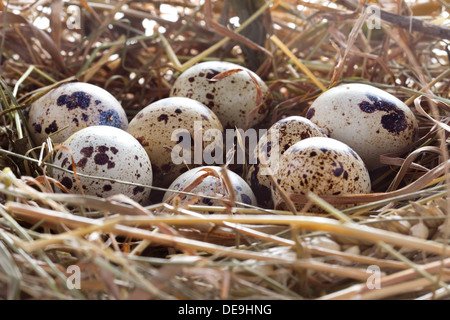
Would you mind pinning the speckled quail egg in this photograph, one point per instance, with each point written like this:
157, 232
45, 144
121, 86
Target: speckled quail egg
322, 165
71, 107
280, 136
175, 132
370, 120
107, 152
208, 181
232, 97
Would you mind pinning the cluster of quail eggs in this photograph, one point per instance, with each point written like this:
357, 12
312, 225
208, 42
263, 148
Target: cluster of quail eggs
98, 156
263, 160
102, 153
328, 152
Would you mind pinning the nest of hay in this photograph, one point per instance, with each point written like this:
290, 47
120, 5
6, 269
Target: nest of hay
392, 244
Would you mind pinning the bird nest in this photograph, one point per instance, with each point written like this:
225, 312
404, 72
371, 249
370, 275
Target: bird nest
390, 244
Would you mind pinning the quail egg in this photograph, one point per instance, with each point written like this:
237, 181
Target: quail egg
322, 165
107, 152
207, 181
232, 98
280, 136
71, 107
370, 120
175, 132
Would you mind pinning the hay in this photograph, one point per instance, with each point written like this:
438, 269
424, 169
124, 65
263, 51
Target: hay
136, 50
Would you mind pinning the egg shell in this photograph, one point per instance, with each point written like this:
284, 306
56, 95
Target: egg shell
370, 120
210, 184
280, 136
322, 165
108, 152
155, 124
71, 107
231, 98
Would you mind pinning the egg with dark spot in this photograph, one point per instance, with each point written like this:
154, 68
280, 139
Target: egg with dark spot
70, 107
106, 152
278, 138
370, 120
209, 181
232, 97
174, 132
321, 165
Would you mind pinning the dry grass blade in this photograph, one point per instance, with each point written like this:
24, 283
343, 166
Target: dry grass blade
391, 285
305, 69
309, 223
186, 250
223, 31
337, 74
11, 270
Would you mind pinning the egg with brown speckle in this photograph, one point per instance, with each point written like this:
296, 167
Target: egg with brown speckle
106, 152
71, 107
370, 120
207, 182
321, 165
233, 97
175, 132
279, 137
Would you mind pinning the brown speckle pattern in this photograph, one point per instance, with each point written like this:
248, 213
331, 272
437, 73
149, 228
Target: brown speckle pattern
289, 131
211, 185
73, 106
369, 120
104, 151
156, 125
333, 169
52, 127
231, 98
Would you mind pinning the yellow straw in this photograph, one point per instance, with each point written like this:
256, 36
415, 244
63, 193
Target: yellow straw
299, 64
